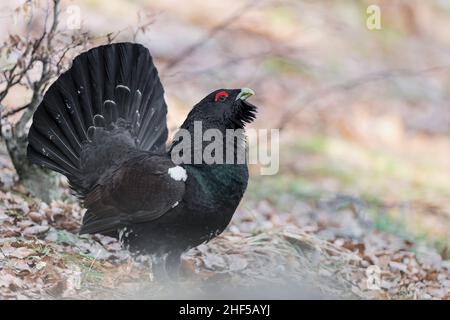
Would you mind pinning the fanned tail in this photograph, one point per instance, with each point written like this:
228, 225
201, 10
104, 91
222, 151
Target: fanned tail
109, 103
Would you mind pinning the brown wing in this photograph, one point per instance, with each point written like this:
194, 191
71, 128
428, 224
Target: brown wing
140, 190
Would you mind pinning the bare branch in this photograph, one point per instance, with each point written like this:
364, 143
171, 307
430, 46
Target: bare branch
29, 110
56, 12
13, 112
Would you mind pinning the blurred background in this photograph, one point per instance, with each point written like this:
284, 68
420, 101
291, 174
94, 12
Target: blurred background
364, 115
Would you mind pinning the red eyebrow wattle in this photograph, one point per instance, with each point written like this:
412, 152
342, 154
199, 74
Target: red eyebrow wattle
220, 94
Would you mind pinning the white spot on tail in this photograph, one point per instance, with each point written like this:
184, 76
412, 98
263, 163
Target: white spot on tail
177, 173
175, 204
123, 87
109, 101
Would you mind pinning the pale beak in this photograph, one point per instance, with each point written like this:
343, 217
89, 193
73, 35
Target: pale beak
245, 93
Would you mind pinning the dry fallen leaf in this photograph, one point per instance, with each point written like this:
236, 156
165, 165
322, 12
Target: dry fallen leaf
36, 217
35, 230
213, 261
20, 252
236, 262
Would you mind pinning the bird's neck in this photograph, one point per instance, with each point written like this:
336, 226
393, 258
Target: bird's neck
210, 145
217, 185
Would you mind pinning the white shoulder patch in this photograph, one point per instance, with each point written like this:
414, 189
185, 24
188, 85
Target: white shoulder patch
177, 173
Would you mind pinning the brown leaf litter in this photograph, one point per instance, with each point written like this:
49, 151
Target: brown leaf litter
41, 257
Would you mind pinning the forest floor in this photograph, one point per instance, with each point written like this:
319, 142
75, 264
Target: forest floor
287, 245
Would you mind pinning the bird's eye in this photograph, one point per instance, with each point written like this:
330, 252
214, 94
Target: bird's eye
221, 96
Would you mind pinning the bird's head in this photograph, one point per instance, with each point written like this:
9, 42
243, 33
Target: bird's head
225, 108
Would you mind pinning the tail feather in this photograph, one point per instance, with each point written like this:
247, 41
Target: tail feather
49, 130
46, 162
110, 100
50, 151
78, 82
110, 112
56, 110
69, 94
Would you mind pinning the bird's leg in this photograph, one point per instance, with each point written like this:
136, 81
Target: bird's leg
173, 264
158, 267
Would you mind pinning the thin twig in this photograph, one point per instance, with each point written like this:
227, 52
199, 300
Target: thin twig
12, 112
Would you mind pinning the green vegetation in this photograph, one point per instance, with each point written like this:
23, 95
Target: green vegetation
384, 182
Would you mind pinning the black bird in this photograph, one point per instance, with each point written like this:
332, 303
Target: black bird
102, 124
